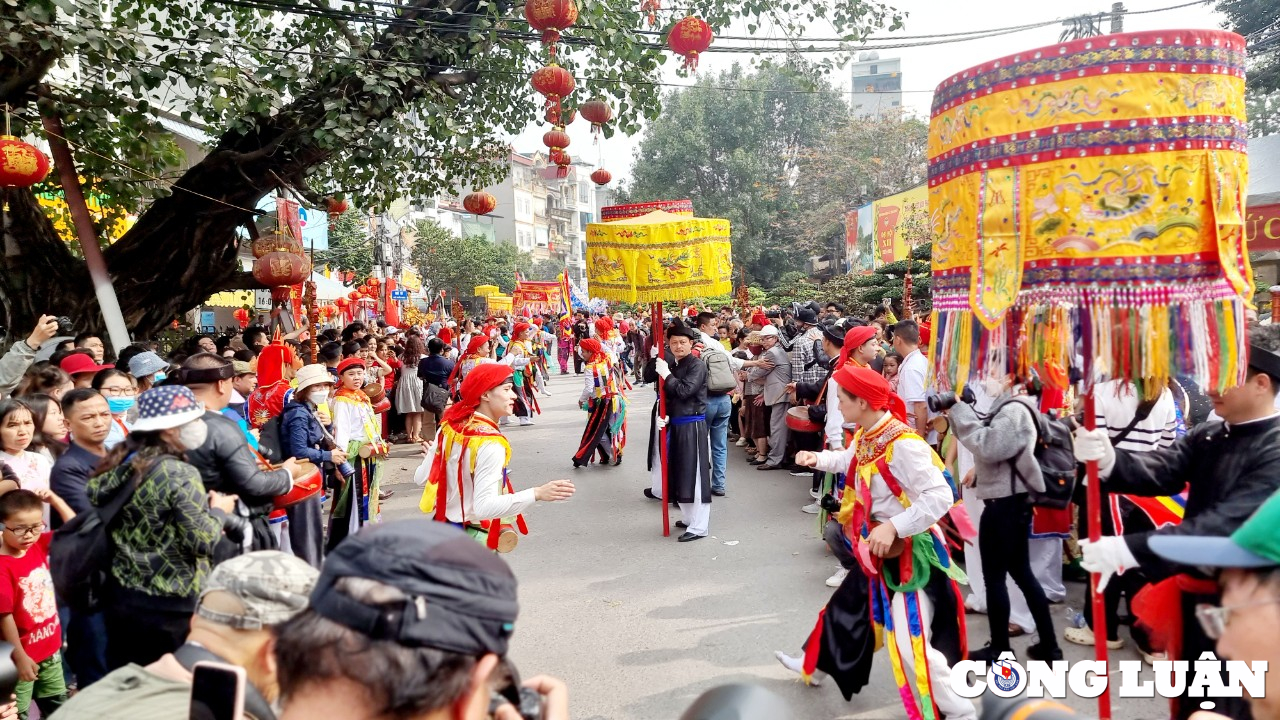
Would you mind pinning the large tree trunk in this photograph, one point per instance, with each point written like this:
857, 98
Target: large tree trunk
183, 247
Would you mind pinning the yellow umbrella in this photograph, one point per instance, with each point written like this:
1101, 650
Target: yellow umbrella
231, 299
485, 290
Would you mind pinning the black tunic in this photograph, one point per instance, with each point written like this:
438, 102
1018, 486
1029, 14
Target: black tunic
1231, 472
688, 444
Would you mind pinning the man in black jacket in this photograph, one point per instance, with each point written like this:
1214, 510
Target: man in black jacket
1229, 469
688, 441
225, 461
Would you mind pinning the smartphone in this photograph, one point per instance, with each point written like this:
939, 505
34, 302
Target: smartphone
217, 691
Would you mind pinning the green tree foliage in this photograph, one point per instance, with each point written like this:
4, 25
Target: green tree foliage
375, 100
456, 265
736, 153
859, 294
350, 246
549, 269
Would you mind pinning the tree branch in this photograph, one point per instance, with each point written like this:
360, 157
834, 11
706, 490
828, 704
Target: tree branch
339, 25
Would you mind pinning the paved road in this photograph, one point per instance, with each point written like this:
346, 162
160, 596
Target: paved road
640, 625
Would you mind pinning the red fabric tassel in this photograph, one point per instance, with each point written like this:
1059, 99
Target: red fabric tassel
813, 646
1158, 608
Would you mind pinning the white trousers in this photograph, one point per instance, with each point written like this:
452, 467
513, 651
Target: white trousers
951, 705
696, 515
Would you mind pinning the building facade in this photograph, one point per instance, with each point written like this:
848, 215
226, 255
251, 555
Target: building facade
877, 85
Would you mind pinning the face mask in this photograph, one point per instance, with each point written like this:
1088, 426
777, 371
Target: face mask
318, 397
992, 387
158, 378
193, 434
120, 405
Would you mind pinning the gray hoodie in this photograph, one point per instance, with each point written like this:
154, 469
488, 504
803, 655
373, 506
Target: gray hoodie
1006, 434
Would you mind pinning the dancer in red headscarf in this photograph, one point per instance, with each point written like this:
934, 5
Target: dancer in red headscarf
906, 587
465, 470
276, 365
476, 353
520, 357
606, 406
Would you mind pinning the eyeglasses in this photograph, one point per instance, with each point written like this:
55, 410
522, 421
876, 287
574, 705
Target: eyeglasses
27, 530
118, 392
1214, 619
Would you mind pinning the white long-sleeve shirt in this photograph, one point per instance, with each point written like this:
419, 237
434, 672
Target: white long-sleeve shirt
834, 429
913, 468
714, 345
483, 496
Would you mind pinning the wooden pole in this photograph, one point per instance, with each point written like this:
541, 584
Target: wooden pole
108, 303
656, 312
1093, 496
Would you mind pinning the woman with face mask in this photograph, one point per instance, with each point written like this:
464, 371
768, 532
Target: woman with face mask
122, 397
305, 433
164, 535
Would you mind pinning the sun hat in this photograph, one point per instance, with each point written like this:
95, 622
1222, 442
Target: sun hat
312, 375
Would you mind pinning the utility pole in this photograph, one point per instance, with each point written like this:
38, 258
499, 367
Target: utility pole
1117, 17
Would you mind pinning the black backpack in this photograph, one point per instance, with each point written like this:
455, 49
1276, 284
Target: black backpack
81, 550
1055, 454
270, 442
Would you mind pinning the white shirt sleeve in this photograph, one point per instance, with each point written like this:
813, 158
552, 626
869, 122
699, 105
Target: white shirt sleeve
714, 345
488, 500
835, 421
911, 382
424, 470
834, 461
928, 491
588, 387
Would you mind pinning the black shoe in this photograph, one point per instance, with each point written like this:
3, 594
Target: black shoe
649, 494
717, 493
689, 537
755, 461
987, 654
682, 524
767, 466
1044, 652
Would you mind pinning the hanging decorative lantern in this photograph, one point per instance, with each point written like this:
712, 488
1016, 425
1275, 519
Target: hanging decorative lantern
242, 317
597, 112
650, 8
555, 140
551, 17
556, 84
371, 283
21, 164
336, 205
601, 177
279, 268
275, 242
353, 296
688, 38
480, 203
562, 164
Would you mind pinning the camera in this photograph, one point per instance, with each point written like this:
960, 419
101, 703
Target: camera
829, 503
525, 700
947, 400
65, 327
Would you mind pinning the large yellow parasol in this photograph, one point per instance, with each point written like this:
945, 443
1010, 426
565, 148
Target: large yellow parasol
659, 256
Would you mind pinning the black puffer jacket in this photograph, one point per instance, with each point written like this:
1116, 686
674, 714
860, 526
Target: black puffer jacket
1231, 471
227, 464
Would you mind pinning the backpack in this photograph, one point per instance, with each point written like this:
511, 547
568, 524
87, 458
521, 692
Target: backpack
81, 550
270, 443
1055, 454
720, 378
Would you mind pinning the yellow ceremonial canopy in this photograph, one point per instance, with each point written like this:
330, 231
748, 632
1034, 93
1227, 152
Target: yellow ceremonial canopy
659, 256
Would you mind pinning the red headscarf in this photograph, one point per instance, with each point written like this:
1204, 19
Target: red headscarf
446, 336
604, 325
593, 346
537, 321
520, 329
473, 346
624, 327
872, 387
271, 363
480, 380
854, 339
759, 318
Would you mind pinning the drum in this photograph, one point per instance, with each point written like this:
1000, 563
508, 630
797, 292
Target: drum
309, 486
798, 420
375, 392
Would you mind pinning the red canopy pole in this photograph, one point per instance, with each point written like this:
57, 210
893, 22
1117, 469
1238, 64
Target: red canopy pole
1093, 495
656, 311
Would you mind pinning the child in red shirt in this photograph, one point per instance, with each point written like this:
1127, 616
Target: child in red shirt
28, 611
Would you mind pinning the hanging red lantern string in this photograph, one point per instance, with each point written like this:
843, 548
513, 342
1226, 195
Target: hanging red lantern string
556, 84
480, 203
556, 140
597, 112
688, 38
562, 164
601, 177
650, 8
551, 17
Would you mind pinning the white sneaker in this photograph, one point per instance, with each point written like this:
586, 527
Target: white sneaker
815, 494
526, 421
742, 442
811, 509
796, 665
546, 393
835, 580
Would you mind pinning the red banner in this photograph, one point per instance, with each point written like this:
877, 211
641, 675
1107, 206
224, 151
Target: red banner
536, 298
1262, 228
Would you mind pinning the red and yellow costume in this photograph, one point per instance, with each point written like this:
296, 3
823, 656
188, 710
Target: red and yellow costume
267, 401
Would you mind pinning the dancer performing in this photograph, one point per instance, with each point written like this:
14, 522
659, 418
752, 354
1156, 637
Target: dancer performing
565, 333
688, 440
606, 406
355, 429
276, 366
899, 494
465, 470
477, 353
519, 356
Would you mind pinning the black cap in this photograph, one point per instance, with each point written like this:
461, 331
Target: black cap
834, 334
807, 316
679, 328
461, 596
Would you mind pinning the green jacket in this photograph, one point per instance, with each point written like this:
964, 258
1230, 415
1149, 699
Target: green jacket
165, 535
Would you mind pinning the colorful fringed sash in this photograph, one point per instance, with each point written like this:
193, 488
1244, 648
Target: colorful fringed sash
476, 432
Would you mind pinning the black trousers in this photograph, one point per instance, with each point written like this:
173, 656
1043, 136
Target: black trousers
835, 538
1003, 536
143, 635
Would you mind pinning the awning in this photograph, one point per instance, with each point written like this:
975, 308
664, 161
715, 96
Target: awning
1262, 221
231, 299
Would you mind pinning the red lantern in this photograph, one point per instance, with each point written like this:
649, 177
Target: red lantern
242, 317
276, 242
689, 37
597, 112
341, 303
336, 205
371, 283
353, 296
21, 164
601, 177
480, 203
650, 9
555, 83
555, 139
562, 164
279, 268
551, 17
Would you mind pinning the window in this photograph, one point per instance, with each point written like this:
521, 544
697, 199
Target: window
875, 69
896, 103
584, 195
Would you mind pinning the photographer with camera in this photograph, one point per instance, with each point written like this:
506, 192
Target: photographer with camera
22, 353
1003, 445
244, 599
410, 620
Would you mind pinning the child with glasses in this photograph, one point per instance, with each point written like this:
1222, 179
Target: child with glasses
28, 611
